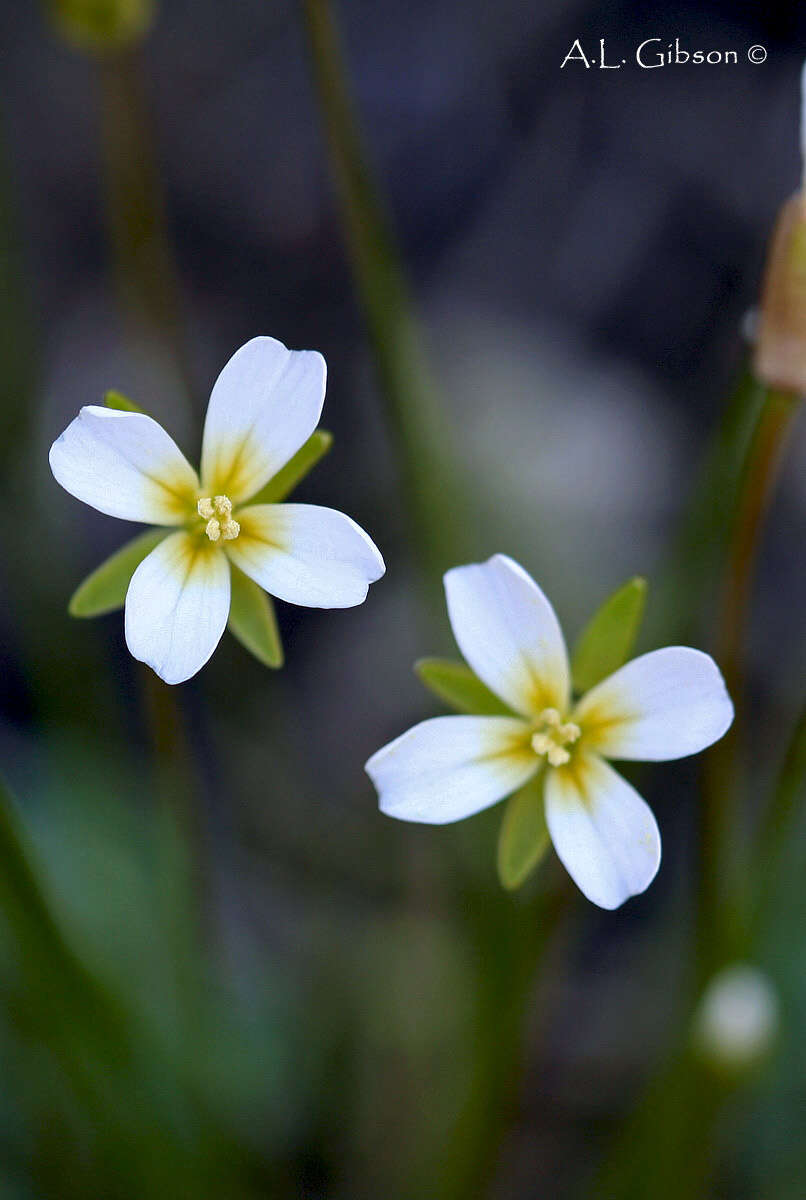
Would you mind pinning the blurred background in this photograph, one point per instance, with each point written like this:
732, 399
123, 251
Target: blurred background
256, 985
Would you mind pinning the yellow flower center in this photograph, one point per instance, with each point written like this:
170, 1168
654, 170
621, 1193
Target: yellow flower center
217, 512
553, 735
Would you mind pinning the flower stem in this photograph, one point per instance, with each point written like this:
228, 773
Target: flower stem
719, 923
508, 941
781, 817
145, 268
413, 410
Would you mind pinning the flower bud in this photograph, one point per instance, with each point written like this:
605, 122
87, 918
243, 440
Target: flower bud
737, 1018
102, 24
780, 355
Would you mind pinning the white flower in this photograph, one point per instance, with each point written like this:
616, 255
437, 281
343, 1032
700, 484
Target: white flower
663, 705
264, 406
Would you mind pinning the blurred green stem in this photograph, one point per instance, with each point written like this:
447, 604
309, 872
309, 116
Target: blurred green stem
689, 583
781, 817
422, 441
721, 926
509, 939
146, 272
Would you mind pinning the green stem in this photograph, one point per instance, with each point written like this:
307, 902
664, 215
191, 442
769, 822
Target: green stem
146, 272
721, 925
780, 820
413, 410
509, 939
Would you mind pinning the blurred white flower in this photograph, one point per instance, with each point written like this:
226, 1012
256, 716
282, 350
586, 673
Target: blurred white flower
264, 406
737, 1019
663, 705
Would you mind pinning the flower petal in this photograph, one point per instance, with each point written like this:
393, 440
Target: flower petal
306, 555
509, 634
177, 606
452, 767
604, 833
126, 465
264, 406
665, 704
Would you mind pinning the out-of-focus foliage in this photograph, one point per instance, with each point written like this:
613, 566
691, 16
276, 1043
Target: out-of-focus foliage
102, 24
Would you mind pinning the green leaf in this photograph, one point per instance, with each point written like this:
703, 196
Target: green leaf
524, 838
252, 620
113, 399
606, 641
458, 686
104, 590
296, 469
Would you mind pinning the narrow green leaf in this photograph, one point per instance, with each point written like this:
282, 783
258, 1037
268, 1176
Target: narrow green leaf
296, 469
606, 641
113, 399
524, 838
104, 590
458, 686
253, 622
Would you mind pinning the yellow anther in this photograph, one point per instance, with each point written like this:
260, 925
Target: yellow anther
557, 756
217, 512
553, 736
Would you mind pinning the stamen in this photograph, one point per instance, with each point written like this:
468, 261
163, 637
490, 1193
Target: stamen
553, 735
217, 512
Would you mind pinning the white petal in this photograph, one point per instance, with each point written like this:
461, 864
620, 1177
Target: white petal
452, 767
603, 832
126, 465
509, 634
306, 555
665, 704
177, 606
265, 404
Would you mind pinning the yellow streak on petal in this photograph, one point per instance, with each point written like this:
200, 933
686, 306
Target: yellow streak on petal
598, 722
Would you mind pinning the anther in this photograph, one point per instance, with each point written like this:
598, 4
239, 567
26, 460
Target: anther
552, 737
217, 512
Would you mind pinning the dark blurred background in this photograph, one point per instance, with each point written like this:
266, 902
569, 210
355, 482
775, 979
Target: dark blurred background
308, 982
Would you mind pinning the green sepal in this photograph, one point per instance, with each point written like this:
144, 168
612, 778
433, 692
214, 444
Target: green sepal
524, 838
607, 640
460, 687
113, 399
252, 620
105, 589
295, 469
